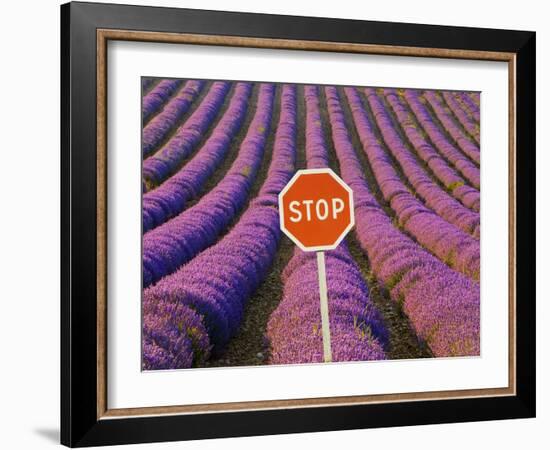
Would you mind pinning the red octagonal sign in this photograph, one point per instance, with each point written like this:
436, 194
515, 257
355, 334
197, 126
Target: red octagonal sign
316, 209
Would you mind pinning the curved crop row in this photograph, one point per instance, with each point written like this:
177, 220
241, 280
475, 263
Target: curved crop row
175, 242
464, 143
160, 125
167, 159
170, 197
217, 283
434, 197
458, 249
356, 327
444, 173
448, 150
294, 328
469, 125
471, 107
474, 96
146, 84
155, 99
174, 336
442, 305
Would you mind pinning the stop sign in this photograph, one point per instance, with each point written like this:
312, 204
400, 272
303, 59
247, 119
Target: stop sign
316, 209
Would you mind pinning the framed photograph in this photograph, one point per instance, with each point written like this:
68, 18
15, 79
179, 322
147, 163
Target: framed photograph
276, 224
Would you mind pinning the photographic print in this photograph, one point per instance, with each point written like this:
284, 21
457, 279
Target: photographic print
226, 285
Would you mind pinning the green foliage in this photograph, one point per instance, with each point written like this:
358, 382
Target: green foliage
362, 329
317, 331
247, 170
449, 258
455, 184
394, 279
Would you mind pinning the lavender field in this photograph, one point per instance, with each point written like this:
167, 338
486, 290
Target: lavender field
222, 286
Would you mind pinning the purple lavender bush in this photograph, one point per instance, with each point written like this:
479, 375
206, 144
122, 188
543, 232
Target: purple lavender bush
175, 242
294, 328
155, 99
443, 114
170, 198
174, 336
463, 164
160, 125
463, 117
444, 172
456, 248
158, 167
469, 105
218, 282
416, 220
433, 196
442, 305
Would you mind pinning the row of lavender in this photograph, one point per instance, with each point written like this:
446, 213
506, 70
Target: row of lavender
180, 181
442, 305
468, 145
160, 165
432, 194
194, 312
177, 241
170, 198
450, 244
441, 141
160, 125
294, 328
443, 172
157, 97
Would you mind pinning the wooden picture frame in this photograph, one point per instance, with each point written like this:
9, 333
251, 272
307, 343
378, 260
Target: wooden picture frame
85, 416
